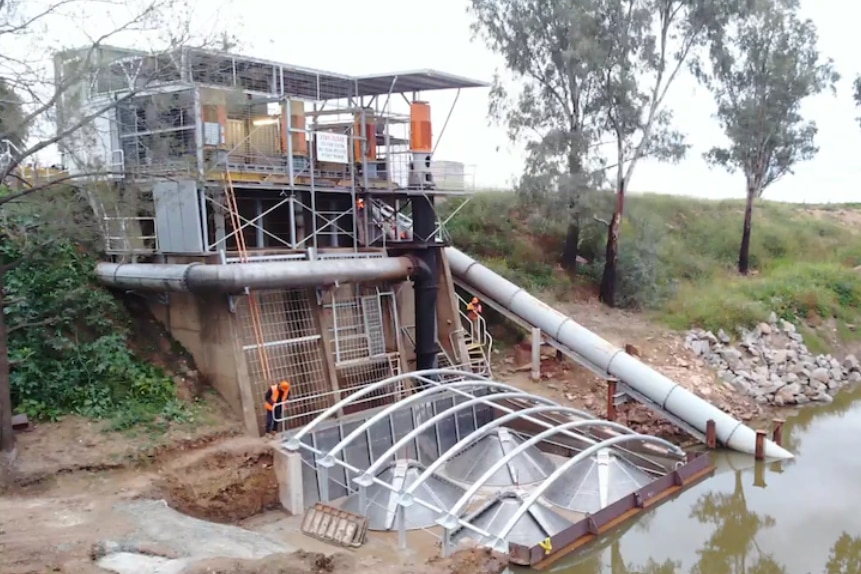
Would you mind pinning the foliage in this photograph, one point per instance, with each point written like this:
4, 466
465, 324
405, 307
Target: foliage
68, 338
678, 254
845, 556
641, 280
12, 116
794, 292
856, 94
762, 67
588, 70
549, 50
761, 70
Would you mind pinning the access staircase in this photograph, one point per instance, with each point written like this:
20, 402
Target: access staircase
476, 338
479, 343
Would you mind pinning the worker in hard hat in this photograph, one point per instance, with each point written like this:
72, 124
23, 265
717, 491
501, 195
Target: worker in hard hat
473, 311
361, 222
276, 398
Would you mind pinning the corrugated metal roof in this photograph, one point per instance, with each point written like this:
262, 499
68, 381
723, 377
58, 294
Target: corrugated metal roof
414, 81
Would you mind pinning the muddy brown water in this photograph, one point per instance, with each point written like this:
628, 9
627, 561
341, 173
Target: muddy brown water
796, 517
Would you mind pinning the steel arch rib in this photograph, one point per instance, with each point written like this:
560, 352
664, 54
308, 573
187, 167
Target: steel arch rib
549, 406
293, 443
499, 542
450, 520
328, 459
366, 478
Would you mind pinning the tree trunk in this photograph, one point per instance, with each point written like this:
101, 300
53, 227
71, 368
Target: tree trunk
572, 247
744, 252
607, 294
7, 434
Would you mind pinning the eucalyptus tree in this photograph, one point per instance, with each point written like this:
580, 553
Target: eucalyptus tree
585, 73
647, 45
551, 100
761, 68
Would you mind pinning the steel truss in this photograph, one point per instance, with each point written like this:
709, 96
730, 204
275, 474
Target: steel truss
465, 385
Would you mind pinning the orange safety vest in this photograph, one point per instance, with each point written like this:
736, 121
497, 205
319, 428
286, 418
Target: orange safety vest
276, 396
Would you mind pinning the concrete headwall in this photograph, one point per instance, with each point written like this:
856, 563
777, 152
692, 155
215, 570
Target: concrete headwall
207, 329
297, 329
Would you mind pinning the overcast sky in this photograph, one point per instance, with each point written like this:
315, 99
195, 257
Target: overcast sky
396, 35
393, 35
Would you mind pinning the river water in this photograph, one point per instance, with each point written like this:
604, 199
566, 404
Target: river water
796, 517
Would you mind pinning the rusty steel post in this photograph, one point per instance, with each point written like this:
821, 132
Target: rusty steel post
759, 453
777, 433
611, 400
711, 434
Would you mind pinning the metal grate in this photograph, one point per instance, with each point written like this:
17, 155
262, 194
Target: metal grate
356, 376
357, 329
293, 347
373, 313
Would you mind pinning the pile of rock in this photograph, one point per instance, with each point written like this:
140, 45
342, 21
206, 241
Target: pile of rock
773, 365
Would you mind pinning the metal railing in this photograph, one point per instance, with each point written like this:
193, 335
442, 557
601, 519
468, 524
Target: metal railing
125, 235
476, 333
444, 360
300, 408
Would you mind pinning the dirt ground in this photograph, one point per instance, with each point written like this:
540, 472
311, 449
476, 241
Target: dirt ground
469, 561
74, 520
76, 444
224, 482
73, 477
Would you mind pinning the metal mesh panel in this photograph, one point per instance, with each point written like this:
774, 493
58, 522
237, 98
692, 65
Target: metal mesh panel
373, 312
292, 349
357, 328
351, 378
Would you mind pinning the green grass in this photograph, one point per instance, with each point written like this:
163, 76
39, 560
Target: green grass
804, 262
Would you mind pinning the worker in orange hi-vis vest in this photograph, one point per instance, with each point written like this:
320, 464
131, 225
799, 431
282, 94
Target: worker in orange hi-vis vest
361, 222
473, 311
276, 396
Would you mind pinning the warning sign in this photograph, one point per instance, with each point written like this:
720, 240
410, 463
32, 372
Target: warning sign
332, 147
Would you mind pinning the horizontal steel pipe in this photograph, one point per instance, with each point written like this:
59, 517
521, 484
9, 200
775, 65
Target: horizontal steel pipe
235, 277
671, 396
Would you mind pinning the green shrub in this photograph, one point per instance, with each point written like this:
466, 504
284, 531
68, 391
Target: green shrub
69, 341
793, 292
679, 255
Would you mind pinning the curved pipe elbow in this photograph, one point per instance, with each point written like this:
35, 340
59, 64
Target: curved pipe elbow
418, 268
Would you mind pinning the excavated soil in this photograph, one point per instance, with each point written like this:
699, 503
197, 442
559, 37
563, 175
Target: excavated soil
470, 561
225, 483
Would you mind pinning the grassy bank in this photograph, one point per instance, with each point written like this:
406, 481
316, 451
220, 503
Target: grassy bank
678, 257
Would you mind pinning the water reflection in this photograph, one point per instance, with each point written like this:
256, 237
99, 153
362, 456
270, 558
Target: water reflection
733, 540
795, 517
